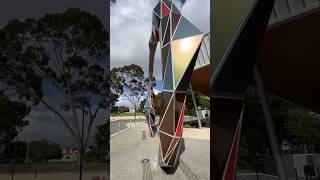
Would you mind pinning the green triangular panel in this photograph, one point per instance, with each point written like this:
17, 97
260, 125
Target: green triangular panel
175, 9
147, 104
168, 78
168, 3
157, 9
185, 29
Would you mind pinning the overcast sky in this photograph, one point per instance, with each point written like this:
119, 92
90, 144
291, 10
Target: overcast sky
21, 9
43, 123
130, 28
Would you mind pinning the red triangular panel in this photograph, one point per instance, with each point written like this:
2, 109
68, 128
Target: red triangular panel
231, 164
180, 123
165, 9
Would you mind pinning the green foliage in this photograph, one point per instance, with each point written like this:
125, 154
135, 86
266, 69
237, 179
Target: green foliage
202, 101
303, 131
254, 141
54, 151
102, 141
18, 78
113, 99
13, 150
42, 151
119, 109
293, 124
129, 81
68, 50
11, 120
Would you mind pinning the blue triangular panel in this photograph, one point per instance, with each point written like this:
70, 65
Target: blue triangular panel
175, 9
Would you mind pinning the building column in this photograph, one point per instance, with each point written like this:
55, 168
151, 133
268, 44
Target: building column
269, 124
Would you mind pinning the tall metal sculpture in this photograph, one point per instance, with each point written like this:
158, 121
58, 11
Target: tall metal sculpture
149, 108
237, 39
180, 42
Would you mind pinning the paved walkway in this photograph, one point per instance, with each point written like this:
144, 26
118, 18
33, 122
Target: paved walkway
129, 149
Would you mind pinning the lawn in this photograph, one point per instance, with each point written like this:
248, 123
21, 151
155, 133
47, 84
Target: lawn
54, 167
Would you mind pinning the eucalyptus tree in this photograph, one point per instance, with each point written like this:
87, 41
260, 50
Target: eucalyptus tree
67, 50
129, 81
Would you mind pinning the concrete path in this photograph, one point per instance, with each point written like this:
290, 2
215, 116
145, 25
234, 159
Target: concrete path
131, 148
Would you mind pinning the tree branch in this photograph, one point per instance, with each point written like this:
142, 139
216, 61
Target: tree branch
62, 119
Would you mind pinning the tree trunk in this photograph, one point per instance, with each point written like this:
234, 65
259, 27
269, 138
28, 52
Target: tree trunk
81, 148
135, 112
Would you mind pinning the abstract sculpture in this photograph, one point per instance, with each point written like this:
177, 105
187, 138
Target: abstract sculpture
180, 43
150, 112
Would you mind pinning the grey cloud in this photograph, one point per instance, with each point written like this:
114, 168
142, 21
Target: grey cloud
17, 9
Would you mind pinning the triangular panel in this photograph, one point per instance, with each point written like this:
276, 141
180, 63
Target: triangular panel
183, 84
175, 9
165, 9
147, 104
166, 121
165, 141
164, 23
183, 51
167, 34
168, 78
178, 131
173, 145
157, 9
175, 20
175, 155
185, 29
180, 97
231, 164
165, 99
168, 3
164, 57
